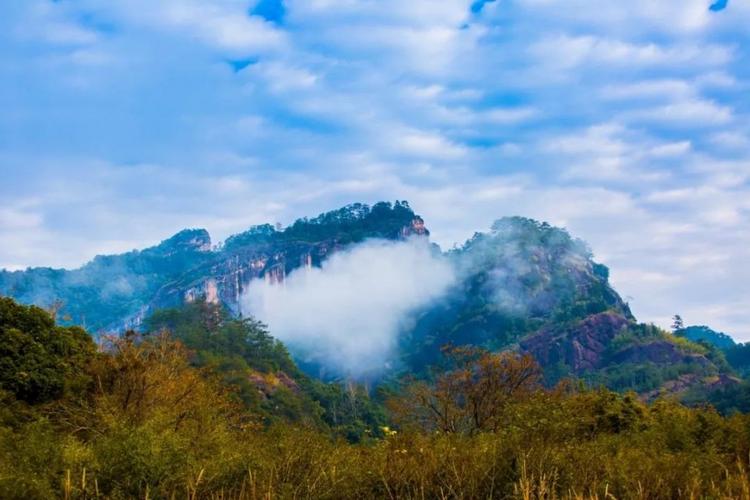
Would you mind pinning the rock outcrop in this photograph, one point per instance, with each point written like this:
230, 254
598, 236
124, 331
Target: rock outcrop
581, 347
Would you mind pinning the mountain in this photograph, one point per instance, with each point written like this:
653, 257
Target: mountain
531, 287
515, 279
111, 291
117, 292
523, 285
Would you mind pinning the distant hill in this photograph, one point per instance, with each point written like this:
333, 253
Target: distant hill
707, 335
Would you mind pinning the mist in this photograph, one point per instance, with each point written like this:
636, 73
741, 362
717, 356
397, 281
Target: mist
347, 314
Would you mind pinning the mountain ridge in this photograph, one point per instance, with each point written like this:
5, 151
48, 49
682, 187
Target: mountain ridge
116, 292
524, 285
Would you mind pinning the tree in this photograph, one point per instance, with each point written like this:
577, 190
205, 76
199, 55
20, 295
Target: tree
677, 323
40, 361
473, 396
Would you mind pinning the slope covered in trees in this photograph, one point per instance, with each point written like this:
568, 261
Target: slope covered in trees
263, 376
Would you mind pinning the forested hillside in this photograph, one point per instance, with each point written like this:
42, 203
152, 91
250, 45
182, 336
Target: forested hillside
532, 288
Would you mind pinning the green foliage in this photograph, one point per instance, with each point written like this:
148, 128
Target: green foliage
40, 361
349, 409
262, 374
247, 358
210, 330
163, 421
158, 428
733, 398
109, 289
516, 279
353, 223
350, 224
738, 358
639, 377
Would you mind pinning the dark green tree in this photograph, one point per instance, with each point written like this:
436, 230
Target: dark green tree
677, 323
40, 361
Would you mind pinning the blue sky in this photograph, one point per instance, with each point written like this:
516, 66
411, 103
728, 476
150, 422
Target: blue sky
626, 122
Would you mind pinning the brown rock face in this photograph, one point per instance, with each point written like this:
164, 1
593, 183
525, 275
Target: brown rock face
580, 347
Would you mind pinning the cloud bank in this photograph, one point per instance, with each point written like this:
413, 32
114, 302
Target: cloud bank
347, 314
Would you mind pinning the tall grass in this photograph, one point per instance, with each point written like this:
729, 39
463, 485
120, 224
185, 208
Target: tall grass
299, 463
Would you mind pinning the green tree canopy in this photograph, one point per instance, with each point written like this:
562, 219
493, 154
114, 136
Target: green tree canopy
40, 361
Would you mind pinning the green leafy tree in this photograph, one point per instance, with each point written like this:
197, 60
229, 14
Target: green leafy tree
677, 323
40, 361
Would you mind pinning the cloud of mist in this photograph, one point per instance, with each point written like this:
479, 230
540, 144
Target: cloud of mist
346, 315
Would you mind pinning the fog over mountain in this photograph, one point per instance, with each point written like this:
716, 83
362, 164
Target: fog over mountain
347, 314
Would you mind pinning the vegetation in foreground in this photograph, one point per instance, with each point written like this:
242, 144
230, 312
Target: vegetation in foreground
178, 416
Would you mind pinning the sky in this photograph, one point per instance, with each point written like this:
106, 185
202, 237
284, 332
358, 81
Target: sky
628, 123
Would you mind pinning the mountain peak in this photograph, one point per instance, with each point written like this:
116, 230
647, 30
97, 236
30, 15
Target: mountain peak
349, 224
187, 239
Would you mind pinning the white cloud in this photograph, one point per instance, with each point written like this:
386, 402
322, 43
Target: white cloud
665, 16
568, 52
670, 149
648, 89
347, 314
687, 113
426, 144
224, 25
731, 140
53, 24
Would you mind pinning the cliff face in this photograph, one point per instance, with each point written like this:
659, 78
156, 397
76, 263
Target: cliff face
608, 339
265, 252
581, 347
612, 350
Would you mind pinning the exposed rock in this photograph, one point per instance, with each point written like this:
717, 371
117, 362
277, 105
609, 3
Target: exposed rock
416, 227
186, 240
581, 347
673, 387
